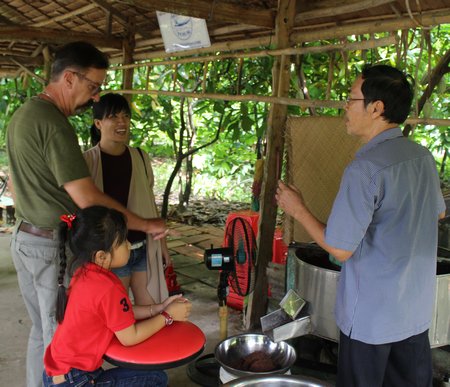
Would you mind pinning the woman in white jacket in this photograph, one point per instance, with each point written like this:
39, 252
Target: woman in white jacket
125, 173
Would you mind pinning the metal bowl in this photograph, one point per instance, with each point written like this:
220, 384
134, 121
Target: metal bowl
232, 352
277, 381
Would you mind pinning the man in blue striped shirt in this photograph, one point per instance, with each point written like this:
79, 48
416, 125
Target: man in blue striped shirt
383, 227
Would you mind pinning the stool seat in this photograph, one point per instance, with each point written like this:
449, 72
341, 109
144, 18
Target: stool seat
172, 346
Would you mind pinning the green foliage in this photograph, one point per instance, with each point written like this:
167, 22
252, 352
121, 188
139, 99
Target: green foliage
224, 169
13, 93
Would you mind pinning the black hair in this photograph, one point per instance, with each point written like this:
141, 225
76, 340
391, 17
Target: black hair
91, 230
390, 85
79, 56
108, 105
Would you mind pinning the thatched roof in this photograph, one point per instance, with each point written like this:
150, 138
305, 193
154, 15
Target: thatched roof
29, 30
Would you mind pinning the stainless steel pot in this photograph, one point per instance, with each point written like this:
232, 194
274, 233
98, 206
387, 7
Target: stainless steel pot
277, 381
316, 282
315, 279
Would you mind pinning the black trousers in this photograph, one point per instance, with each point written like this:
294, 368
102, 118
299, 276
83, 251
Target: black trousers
405, 363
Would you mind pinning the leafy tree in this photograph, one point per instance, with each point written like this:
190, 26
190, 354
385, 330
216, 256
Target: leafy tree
211, 144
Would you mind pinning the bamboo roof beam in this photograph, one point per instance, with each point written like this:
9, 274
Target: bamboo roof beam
109, 10
65, 16
320, 12
29, 72
155, 39
26, 61
222, 46
349, 46
13, 53
48, 35
376, 26
212, 11
4, 73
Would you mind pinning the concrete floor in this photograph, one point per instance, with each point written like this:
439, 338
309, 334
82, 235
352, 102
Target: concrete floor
198, 284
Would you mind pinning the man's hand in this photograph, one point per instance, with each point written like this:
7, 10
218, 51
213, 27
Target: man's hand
289, 199
157, 227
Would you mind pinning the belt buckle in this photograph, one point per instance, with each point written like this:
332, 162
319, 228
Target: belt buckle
137, 245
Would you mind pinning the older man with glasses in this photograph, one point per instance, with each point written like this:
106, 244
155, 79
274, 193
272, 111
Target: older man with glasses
383, 227
50, 178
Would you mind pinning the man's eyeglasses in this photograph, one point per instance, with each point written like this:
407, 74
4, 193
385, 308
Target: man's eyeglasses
94, 87
349, 99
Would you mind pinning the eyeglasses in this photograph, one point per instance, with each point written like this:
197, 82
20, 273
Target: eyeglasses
94, 87
349, 99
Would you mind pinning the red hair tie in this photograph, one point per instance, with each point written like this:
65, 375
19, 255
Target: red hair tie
68, 219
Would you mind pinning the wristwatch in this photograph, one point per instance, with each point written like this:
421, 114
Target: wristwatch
168, 317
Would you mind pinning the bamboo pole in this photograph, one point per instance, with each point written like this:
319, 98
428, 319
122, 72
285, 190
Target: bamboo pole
29, 72
205, 74
128, 48
10, 73
340, 10
244, 44
314, 34
272, 165
223, 322
428, 121
303, 103
54, 36
65, 16
350, 46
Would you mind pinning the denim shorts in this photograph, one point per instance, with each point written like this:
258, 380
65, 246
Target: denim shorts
136, 262
109, 378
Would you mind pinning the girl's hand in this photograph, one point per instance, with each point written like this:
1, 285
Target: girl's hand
171, 299
179, 309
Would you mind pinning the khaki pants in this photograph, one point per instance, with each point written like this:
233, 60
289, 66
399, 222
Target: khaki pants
36, 262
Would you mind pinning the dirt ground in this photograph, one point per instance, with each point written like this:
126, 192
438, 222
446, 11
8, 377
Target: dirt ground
198, 283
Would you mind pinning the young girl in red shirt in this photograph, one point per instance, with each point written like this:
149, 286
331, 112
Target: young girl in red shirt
96, 305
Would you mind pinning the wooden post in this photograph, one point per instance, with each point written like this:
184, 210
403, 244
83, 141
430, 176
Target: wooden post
47, 63
128, 48
272, 163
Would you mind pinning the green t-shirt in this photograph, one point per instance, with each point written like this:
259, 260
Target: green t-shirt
43, 154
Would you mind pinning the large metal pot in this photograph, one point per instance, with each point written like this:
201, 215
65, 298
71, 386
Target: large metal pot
315, 279
277, 381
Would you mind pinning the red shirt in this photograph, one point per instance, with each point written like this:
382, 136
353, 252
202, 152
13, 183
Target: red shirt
98, 306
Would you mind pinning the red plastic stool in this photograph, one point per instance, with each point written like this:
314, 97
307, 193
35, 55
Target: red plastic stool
172, 346
280, 249
171, 280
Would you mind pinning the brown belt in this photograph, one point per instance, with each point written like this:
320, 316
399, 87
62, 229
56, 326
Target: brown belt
30, 229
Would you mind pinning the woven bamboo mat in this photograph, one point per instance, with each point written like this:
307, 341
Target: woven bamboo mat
318, 150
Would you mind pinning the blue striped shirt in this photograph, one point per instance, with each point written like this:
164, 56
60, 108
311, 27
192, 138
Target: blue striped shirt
386, 212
